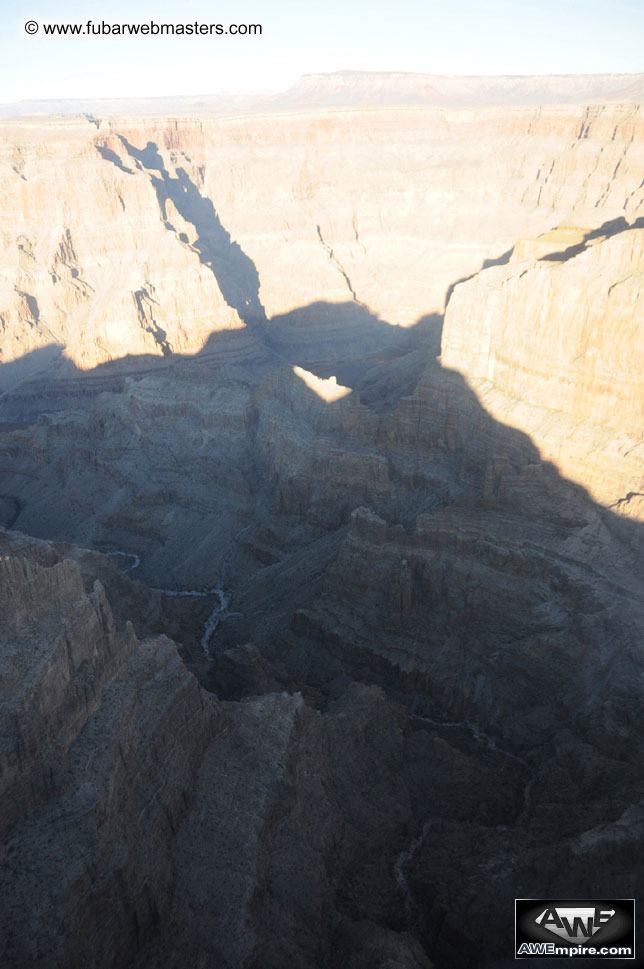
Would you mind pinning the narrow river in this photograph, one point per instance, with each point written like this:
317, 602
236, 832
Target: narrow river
134, 559
218, 613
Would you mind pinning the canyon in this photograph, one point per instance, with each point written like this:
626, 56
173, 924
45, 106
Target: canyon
321, 485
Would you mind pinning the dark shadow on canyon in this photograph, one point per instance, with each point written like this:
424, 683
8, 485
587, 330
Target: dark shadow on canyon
437, 464
605, 231
235, 272
449, 463
112, 157
501, 260
381, 364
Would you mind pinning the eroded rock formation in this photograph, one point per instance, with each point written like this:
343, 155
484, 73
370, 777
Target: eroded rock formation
403, 570
557, 352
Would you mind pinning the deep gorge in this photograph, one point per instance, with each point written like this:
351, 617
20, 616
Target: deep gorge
364, 385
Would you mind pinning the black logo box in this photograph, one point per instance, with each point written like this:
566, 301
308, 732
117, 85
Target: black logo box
615, 931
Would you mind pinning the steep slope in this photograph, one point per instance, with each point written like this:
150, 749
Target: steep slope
146, 824
386, 207
554, 346
102, 740
99, 456
424, 637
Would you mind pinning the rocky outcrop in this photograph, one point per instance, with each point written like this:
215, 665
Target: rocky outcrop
238, 285
267, 832
552, 343
197, 235
146, 824
51, 685
102, 739
423, 635
95, 294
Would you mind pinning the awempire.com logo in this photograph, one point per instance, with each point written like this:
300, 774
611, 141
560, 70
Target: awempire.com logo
552, 928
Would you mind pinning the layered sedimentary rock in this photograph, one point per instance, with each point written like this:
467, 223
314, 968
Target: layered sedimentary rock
508, 618
552, 344
90, 717
72, 283
388, 208
420, 615
147, 824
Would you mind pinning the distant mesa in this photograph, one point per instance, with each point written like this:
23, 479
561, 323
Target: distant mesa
346, 89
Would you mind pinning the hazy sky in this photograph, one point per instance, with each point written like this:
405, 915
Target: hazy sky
304, 36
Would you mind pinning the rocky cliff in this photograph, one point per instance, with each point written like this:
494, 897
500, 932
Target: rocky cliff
214, 280
197, 223
403, 562
147, 824
103, 737
552, 343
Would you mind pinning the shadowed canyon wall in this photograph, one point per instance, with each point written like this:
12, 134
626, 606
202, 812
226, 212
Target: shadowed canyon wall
326, 429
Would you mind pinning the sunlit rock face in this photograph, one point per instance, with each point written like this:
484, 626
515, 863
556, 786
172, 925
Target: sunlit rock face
169, 266
553, 345
84, 265
146, 237
327, 389
400, 557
